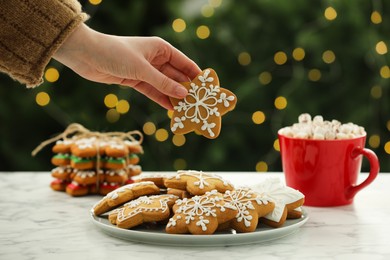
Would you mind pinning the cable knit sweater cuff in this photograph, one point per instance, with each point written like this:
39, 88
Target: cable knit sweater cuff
31, 32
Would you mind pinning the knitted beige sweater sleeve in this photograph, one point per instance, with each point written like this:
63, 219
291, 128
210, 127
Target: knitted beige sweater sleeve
30, 33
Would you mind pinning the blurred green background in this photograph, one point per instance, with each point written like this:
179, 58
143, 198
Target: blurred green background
281, 58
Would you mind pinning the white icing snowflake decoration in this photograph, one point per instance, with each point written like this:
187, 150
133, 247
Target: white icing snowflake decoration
203, 107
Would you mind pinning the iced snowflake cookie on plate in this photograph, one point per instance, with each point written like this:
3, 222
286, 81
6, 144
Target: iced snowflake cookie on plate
203, 107
250, 206
200, 215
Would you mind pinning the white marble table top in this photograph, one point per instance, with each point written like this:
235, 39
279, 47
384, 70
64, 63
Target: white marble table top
39, 223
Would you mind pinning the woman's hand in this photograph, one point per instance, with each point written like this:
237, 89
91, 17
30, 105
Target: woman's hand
148, 64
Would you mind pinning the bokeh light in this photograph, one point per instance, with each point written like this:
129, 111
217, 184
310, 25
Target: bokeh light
112, 115
280, 103
381, 48
258, 117
52, 75
170, 114
122, 106
261, 166
376, 92
207, 11
265, 78
280, 58
298, 54
276, 145
385, 72
387, 147
110, 100
161, 135
149, 128
179, 25
203, 32
314, 75
244, 58
178, 140
374, 141
215, 3
179, 164
328, 56
376, 17
42, 99
95, 2
330, 13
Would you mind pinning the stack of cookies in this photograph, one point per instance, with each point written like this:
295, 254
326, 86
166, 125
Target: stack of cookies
94, 163
194, 202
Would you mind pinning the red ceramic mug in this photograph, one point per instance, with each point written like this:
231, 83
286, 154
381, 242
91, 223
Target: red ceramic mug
326, 171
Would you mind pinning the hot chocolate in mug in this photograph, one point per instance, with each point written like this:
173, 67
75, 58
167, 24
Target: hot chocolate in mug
326, 171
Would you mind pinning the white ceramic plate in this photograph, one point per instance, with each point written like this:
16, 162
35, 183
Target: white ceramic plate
156, 234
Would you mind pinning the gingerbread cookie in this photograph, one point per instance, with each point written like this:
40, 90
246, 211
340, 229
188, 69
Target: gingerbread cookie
144, 209
202, 109
286, 200
197, 182
124, 194
155, 178
200, 215
59, 185
250, 206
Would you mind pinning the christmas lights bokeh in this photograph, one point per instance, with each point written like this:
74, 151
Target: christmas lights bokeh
281, 58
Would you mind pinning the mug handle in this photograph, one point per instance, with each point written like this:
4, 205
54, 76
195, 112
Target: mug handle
374, 170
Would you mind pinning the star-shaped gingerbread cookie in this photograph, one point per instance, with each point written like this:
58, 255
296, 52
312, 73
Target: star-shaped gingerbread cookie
202, 109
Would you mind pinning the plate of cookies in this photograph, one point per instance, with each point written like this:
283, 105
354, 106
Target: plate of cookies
194, 208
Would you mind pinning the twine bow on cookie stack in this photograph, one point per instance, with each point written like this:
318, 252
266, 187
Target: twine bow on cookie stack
93, 162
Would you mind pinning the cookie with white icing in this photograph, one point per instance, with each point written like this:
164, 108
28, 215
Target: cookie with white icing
144, 209
197, 182
202, 109
200, 215
286, 200
124, 194
250, 206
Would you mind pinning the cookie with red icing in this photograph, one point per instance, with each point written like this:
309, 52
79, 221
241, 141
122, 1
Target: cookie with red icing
59, 185
202, 109
197, 182
76, 189
145, 209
